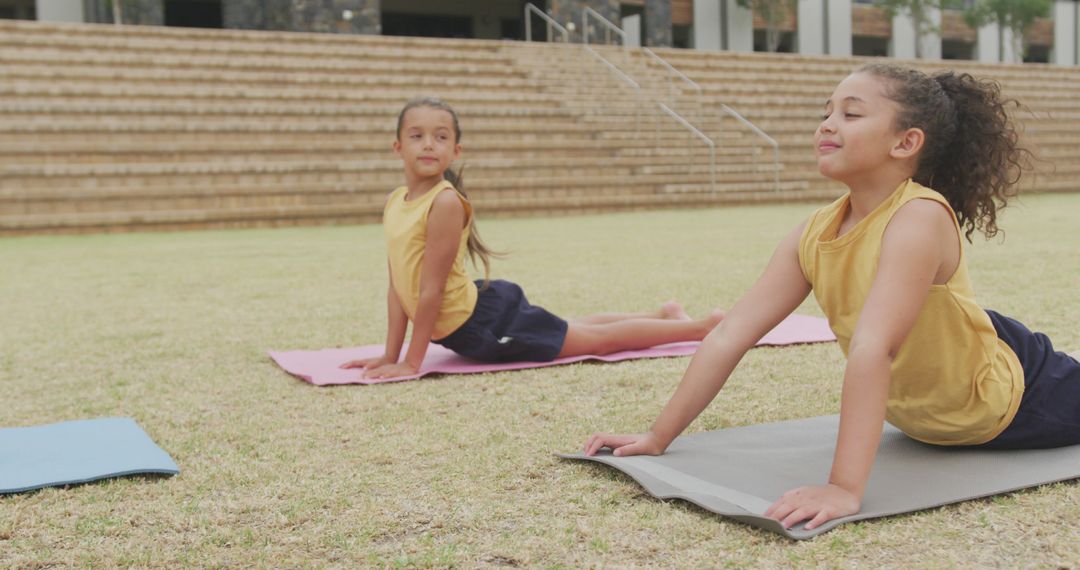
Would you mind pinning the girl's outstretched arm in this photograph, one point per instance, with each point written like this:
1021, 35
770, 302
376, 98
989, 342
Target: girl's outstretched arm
398, 324
445, 221
395, 333
920, 247
772, 298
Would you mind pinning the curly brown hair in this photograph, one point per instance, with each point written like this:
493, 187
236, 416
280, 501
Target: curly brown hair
971, 153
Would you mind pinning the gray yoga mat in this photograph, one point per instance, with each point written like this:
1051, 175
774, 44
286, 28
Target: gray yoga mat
77, 452
739, 472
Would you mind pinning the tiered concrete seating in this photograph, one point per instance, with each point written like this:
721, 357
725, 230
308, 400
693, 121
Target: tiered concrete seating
784, 94
123, 128
109, 128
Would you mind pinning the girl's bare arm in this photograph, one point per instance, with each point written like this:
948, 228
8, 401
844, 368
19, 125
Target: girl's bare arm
445, 221
397, 323
780, 289
914, 248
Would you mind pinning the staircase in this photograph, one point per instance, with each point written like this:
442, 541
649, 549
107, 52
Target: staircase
106, 128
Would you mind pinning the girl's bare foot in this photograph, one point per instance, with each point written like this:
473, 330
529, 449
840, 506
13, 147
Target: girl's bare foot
673, 310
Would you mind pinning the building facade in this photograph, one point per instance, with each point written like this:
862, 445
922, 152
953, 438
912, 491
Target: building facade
818, 27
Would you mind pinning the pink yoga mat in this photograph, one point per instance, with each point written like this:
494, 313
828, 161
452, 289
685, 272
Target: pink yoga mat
320, 367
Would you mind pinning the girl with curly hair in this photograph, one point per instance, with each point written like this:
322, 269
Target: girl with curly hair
927, 160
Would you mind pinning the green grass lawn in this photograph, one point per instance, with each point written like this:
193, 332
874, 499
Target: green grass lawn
173, 328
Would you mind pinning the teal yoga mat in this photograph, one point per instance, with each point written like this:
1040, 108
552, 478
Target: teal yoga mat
77, 452
739, 472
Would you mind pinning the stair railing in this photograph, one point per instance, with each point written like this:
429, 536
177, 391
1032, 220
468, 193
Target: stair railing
761, 134
551, 23
611, 28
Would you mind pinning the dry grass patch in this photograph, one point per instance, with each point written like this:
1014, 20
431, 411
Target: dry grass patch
456, 471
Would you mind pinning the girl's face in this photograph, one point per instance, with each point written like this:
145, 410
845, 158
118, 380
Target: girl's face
426, 143
857, 134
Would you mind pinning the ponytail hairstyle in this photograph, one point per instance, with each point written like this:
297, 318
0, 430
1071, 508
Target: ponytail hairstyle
971, 153
476, 246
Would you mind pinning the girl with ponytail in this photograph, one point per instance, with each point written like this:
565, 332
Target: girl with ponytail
430, 227
927, 160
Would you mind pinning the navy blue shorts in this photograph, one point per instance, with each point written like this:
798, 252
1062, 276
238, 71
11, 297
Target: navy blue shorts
1049, 414
504, 327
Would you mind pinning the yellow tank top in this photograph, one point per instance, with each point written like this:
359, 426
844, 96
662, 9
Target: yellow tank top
953, 381
405, 225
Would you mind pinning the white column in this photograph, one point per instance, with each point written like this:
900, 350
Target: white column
824, 27
60, 10
987, 44
839, 29
739, 27
810, 38
631, 25
1065, 33
707, 25
931, 40
1008, 55
903, 36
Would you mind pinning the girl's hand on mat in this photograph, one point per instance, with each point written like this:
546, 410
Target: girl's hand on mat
390, 371
368, 362
624, 445
818, 503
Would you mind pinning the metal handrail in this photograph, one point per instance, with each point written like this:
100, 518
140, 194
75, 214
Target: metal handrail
771, 141
638, 96
700, 135
615, 69
611, 27
550, 22
608, 25
672, 71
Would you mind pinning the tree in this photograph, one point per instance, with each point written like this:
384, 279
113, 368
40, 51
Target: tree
773, 12
1016, 15
920, 12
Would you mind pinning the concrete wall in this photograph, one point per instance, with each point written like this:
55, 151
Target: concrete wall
571, 11
333, 16
658, 23
336, 16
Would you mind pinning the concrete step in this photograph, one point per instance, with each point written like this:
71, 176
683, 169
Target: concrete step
162, 76
75, 90
135, 127
601, 200
312, 64
167, 182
